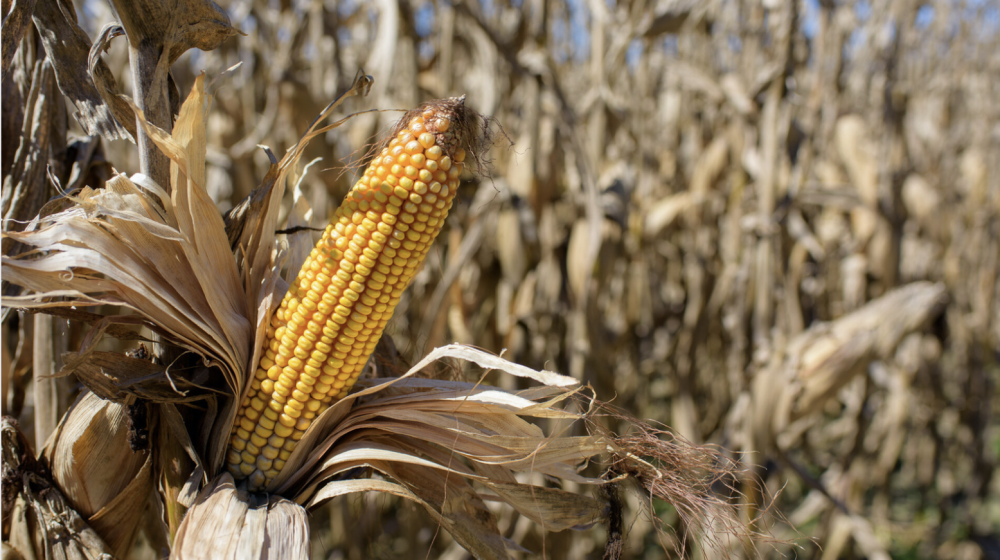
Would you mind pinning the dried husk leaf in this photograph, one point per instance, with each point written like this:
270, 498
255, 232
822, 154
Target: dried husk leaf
663, 212
182, 470
226, 522
131, 245
709, 166
300, 243
552, 509
25, 187
105, 81
462, 511
120, 377
329, 425
92, 463
510, 246
8, 552
824, 358
437, 440
858, 156
177, 26
578, 259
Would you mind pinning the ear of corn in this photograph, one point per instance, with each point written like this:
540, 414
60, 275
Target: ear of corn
333, 314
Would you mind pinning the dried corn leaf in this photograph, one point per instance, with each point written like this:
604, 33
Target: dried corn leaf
46, 526
482, 544
579, 261
105, 81
858, 155
324, 431
181, 473
301, 242
436, 438
119, 377
8, 552
89, 453
663, 212
461, 511
552, 509
165, 257
25, 187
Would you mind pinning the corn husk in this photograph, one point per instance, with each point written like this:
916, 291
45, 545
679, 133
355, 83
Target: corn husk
227, 522
104, 480
164, 257
823, 359
452, 446
448, 446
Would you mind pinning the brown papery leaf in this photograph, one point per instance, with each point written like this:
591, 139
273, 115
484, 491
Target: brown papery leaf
14, 23
438, 440
344, 416
131, 245
554, 510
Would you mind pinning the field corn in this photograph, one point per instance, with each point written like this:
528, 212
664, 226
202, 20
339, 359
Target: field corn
334, 313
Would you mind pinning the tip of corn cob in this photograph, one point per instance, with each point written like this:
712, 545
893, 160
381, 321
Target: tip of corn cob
335, 311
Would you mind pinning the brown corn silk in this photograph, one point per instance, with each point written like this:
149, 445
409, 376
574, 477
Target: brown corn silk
333, 315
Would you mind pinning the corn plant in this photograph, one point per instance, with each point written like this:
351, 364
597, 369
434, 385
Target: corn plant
249, 406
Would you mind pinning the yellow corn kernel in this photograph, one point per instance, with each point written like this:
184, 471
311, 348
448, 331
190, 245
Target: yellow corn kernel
336, 309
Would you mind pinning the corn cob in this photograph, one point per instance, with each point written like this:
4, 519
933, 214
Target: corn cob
333, 315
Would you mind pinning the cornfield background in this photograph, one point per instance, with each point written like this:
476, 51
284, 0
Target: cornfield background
773, 226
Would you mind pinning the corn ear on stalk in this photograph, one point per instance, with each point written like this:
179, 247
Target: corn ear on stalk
333, 314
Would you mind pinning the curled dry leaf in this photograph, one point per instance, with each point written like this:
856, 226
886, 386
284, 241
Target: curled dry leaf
173, 28
105, 81
663, 212
8, 552
25, 188
858, 156
130, 244
579, 265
